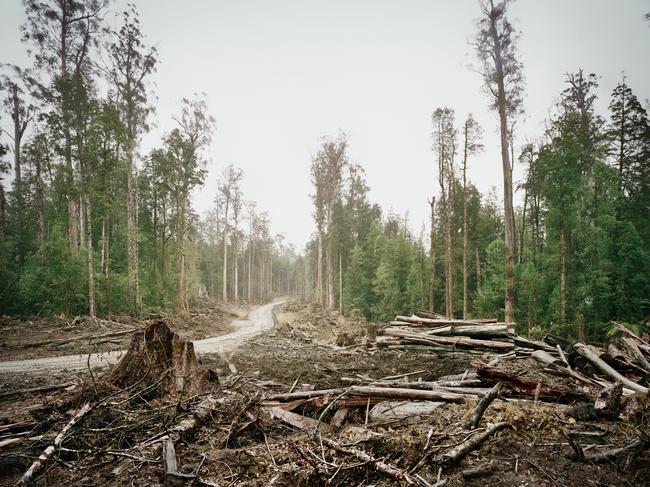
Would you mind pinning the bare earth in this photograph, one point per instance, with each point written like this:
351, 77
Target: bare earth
259, 320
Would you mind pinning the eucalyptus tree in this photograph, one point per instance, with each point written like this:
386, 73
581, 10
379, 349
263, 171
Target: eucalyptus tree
444, 144
327, 175
496, 46
472, 134
22, 113
229, 196
131, 64
63, 33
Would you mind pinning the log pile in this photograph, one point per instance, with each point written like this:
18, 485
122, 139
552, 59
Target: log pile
625, 361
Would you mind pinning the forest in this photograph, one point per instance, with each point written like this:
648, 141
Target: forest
89, 224
157, 330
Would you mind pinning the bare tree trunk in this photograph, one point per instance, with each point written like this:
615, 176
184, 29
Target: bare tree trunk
432, 253
478, 270
522, 234
250, 261
3, 219
182, 305
224, 287
340, 284
449, 256
319, 270
132, 232
235, 272
330, 271
509, 220
82, 220
40, 210
465, 296
562, 275
92, 309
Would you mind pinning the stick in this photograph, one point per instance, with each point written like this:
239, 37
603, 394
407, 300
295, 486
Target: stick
40, 462
382, 467
483, 404
459, 452
399, 393
32, 390
601, 365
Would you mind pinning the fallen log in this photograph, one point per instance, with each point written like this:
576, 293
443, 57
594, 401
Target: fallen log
529, 387
400, 393
486, 331
635, 351
637, 446
36, 467
532, 344
455, 341
35, 390
482, 406
388, 411
290, 396
297, 420
605, 368
459, 452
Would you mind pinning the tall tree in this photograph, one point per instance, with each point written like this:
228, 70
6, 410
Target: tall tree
132, 63
64, 32
327, 172
496, 47
444, 136
471, 145
22, 113
229, 194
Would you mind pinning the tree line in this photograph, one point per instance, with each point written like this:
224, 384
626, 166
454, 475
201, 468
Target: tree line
90, 225
573, 256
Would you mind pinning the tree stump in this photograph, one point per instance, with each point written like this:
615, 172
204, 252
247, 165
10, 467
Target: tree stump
158, 355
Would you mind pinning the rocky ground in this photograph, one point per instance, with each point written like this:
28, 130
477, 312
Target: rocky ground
235, 433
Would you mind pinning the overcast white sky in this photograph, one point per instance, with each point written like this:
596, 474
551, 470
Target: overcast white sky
281, 74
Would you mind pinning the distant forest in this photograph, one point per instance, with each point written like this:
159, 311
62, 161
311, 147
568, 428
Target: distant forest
90, 225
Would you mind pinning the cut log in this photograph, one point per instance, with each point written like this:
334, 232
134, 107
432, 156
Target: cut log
158, 354
297, 420
459, 452
486, 331
529, 387
290, 396
532, 344
547, 359
608, 402
601, 365
35, 390
399, 393
454, 341
482, 405
388, 411
631, 345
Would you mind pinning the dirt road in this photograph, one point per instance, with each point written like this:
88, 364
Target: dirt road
259, 320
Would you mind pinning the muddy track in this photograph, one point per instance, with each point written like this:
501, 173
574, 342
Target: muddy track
259, 320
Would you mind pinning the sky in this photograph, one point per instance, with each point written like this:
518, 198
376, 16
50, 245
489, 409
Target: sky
281, 74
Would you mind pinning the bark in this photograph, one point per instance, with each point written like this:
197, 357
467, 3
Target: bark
562, 275
478, 270
340, 284
182, 305
482, 406
449, 308
465, 296
40, 210
3, 220
606, 369
319, 270
92, 309
509, 220
459, 452
132, 231
330, 271
235, 271
432, 253
402, 393
224, 284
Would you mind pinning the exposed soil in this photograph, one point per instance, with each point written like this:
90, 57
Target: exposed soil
241, 444
55, 336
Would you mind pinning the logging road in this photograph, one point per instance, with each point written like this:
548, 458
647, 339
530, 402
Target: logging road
259, 320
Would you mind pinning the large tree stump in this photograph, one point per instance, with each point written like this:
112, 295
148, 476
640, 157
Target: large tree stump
158, 355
